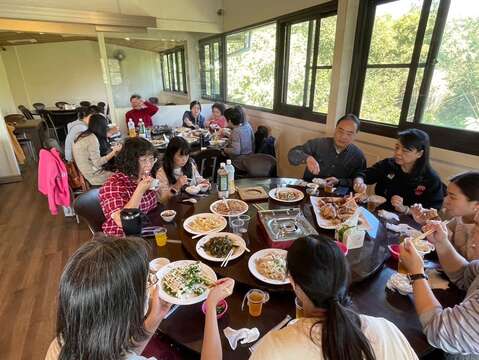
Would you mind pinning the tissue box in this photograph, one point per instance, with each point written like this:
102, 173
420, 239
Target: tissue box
351, 237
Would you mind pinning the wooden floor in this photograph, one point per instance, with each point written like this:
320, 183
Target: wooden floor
34, 247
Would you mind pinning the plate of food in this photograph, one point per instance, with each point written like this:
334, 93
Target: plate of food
204, 223
331, 212
269, 266
235, 207
216, 246
185, 282
159, 142
286, 194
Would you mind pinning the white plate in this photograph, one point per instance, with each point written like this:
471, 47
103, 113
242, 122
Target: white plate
256, 274
272, 195
236, 239
221, 219
212, 207
173, 300
327, 223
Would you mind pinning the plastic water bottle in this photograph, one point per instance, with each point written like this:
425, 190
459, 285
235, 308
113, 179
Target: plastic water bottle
231, 176
222, 181
141, 129
131, 128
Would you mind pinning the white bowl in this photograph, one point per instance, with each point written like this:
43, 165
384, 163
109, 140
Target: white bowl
193, 190
204, 187
168, 215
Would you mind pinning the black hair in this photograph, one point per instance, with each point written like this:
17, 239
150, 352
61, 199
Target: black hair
318, 267
126, 161
235, 115
176, 144
135, 96
415, 139
260, 135
351, 117
98, 126
95, 109
193, 103
468, 182
95, 320
84, 112
219, 106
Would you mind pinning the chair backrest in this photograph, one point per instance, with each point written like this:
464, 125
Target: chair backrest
39, 106
85, 103
258, 165
208, 162
87, 205
154, 100
15, 118
61, 104
27, 113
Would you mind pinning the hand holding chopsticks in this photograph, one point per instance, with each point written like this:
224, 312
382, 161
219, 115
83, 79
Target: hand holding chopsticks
428, 232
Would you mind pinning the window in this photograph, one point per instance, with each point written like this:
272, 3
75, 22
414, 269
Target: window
306, 63
250, 60
211, 72
413, 68
173, 70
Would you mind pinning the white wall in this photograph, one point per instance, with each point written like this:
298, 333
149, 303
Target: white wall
7, 105
8, 164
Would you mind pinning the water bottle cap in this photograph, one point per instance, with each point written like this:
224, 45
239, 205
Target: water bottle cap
228, 161
222, 164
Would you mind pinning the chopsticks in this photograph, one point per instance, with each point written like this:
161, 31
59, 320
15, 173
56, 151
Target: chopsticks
227, 258
226, 204
429, 232
203, 234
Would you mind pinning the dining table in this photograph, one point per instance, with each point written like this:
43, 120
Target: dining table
371, 267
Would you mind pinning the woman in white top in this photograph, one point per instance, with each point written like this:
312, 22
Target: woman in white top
178, 169
103, 300
330, 330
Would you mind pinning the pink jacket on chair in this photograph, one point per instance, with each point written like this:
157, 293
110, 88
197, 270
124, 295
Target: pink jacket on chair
53, 179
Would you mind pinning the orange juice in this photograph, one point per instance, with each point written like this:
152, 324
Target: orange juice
160, 237
299, 308
255, 303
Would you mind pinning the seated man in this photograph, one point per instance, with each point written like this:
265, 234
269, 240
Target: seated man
335, 159
75, 128
142, 109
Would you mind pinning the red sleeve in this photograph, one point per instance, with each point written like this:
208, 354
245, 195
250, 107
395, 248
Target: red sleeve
127, 117
151, 109
113, 197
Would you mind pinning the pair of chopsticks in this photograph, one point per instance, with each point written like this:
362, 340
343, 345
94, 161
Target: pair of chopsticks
227, 258
429, 232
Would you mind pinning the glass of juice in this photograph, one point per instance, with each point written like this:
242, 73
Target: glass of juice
160, 236
256, 298
299, 308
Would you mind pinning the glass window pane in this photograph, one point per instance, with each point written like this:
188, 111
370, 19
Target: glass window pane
453, 99
327, 35
250, 66
415, 94
321, 92
394, 32
383, 95
216, 69
166, 75
297, 65
207, 71
175, 76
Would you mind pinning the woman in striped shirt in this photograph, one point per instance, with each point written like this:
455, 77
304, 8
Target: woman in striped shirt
454, 330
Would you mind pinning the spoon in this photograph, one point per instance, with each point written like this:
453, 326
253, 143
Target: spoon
191, 200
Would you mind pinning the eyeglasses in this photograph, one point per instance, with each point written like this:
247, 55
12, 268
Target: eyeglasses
149, 160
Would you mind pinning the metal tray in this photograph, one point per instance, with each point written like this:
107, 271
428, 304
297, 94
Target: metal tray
285, 224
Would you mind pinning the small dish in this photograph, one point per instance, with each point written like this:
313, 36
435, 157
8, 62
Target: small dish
204, 187
158, 263
193, 189
222, 305
168, 215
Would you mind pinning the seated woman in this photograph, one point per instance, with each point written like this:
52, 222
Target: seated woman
319, 276
217, 120
263, 142
193, 118
407, 178
130, 186
461, 203
454, 330
95, 320
241, 140
91, 151
177, 168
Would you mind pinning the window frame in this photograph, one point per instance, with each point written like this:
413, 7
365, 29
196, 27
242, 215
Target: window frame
202, 44
464, 140
175, 59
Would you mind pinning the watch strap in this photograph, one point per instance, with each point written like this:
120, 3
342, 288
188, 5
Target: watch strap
414, 277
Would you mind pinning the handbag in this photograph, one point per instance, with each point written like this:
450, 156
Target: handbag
75, 178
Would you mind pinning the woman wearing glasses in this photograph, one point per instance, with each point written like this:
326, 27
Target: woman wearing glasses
130, 186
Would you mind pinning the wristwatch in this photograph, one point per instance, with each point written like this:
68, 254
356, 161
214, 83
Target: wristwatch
415, 277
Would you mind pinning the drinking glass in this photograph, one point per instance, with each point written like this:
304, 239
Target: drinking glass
246, 219
299, 308
255, 299
236, 226
160, 236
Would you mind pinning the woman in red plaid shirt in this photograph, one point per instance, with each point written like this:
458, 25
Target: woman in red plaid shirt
130, 186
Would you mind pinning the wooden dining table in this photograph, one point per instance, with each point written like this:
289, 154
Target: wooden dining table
371, 267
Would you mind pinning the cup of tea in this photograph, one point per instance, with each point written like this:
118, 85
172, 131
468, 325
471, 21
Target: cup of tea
160, 236
299, 308
255, 300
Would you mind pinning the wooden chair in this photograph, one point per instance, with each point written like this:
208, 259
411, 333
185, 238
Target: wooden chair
61, 104
85, 103
257, 165
27, 113
208, 162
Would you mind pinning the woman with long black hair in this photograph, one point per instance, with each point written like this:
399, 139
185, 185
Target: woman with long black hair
92, 151
407, 178
102, 301
329, 330
177, 168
